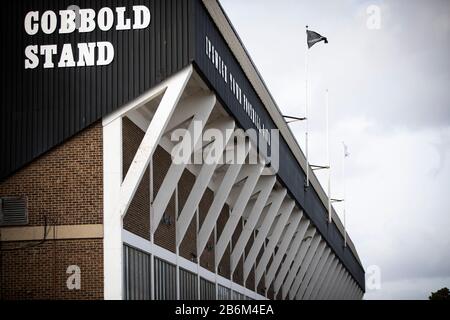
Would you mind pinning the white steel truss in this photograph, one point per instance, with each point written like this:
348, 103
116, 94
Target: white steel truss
294, 253
286, 210
312, 268
310, 259
256, 208
302, 265
254, 172
314, 276
321, 279
295, 221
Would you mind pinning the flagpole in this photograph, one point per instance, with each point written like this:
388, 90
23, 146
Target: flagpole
343, 180
306, 113
328, 153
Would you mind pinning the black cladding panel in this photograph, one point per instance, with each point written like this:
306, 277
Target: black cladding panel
41, 108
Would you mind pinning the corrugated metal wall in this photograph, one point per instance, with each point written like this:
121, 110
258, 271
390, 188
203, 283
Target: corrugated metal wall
223, 293
188, 285
238, 296
41, 108
137, 277
165, 280
207, 290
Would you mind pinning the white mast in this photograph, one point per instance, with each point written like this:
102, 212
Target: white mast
306, 113
343, 181
328, 154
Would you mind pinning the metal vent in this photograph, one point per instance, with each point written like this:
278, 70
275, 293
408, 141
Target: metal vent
13, 211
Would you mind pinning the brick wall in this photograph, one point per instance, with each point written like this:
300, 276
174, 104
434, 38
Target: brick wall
208, 254
66, 186
261, 285
165, 233
39, 272
137, 218
189, 243
250, 282
238, 275
270, 292
224, 265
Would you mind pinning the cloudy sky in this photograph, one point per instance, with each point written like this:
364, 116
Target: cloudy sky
389, 101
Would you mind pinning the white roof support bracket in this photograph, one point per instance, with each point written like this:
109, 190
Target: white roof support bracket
255, 171
219, 200
214, 155
256, 210
286, 210
335, 284
117, 194
288, 205
308, 244
302, 239
307, 267
294, 223
320, 278
314, 278
205, 104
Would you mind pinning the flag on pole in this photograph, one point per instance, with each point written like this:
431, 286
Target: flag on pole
313, 37
346, 153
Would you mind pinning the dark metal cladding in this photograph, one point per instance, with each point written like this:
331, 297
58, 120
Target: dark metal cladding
41, 108
290, 173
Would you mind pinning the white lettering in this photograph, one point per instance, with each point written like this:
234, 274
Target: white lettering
141, 17
66, 59
49, 22
86, 54
48, 52
105, 19
67, 21
31, 61
122, 23
84, 20
87, 23
105, 53
31, 22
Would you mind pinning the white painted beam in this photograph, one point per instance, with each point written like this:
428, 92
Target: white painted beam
340, 288
219, 200
322, 282
348, 287
174, 89
318, 275
286, 211
337, 286
352, 295
307, 267
335, 282
112, 222
294, 223
237, 210
302, 240
247, 230
205, 104
303, 258
312, 270
265, 227
214, 155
